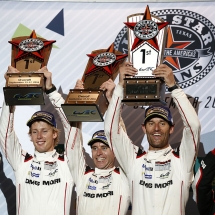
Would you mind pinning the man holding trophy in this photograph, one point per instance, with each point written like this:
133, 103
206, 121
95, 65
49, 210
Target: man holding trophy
43, 181
159, 178
103, 190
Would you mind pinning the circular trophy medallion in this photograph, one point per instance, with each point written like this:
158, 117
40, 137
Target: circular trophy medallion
146, 29
104, 59
31, 45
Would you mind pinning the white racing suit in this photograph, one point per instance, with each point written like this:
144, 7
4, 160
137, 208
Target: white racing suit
159, 180
99, 191
43, 181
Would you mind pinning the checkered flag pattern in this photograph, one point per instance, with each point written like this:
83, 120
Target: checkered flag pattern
119, 37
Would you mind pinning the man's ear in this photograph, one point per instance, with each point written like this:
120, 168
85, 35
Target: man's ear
171, 129
144, 128
54, 134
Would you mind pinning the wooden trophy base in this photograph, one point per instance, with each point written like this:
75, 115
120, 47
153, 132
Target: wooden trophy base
85, 106
144, 91
24, 89
23, 96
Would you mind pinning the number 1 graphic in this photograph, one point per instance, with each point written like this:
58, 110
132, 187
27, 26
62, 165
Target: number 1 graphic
144, 55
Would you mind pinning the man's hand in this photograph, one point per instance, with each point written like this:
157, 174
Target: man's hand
126, 69
11, 70
79, 85
48, 76
166, 72
109, 86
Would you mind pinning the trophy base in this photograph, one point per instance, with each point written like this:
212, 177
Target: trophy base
82, 112
23, 96
85, 105
144, 91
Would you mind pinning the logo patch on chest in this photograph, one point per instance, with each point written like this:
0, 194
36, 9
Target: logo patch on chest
162, 166
50, 165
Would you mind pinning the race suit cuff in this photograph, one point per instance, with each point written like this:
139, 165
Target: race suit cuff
54, 93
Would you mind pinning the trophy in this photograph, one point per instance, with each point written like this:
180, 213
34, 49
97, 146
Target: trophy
29, 54
146, 42
90, 104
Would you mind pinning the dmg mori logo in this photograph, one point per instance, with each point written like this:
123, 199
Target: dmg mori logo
189, 48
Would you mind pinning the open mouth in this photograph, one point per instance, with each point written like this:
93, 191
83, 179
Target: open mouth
156, 136
100, 159
40, 143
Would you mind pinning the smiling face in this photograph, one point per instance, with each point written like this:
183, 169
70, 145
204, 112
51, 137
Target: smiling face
157, 131
43, 136
102, 155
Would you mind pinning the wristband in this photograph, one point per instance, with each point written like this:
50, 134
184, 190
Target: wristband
176, 86
51, 90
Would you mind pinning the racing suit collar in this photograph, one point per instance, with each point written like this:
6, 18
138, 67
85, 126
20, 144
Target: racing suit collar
45, 155
104, 171
153, 155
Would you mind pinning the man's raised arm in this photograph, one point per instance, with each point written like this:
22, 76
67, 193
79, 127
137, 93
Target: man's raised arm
120, 143
73, 136
9, 142
191, 131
